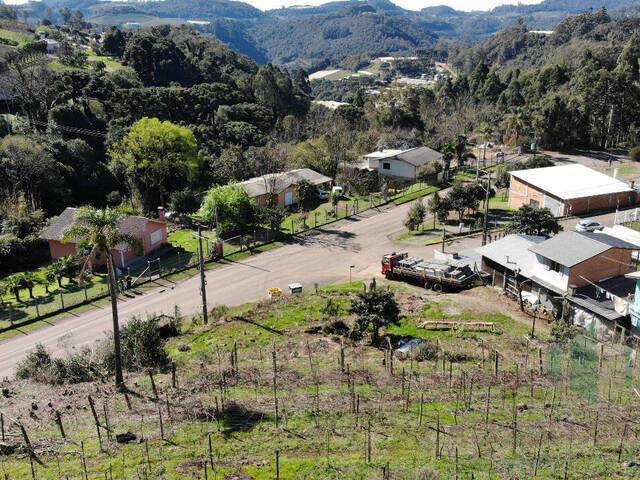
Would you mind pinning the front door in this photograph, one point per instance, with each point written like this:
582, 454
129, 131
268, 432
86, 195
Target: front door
288, 198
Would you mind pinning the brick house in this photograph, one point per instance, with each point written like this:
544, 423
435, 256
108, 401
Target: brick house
568, 190
585, 269
281, 187
151, 232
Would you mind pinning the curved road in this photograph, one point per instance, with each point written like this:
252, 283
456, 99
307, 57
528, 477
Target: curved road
322, 256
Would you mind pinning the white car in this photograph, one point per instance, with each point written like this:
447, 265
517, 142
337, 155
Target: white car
589, 225
337, 190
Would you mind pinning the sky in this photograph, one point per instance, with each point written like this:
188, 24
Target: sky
466, 5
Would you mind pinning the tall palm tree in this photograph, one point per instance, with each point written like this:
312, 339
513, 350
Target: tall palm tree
101, 228
486, 132
515, 122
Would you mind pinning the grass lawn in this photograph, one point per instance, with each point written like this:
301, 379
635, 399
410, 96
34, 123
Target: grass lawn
21, 38
72, 293
497, 203
428, 235
110, 62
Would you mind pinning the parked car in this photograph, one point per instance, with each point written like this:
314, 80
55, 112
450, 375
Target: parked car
322, 194
337, 190
589, 225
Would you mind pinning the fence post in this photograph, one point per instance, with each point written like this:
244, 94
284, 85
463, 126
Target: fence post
149, 269
325, 217
86, 297
293, 228
62, 299
159, 267
315, 219
10, 313
37, 306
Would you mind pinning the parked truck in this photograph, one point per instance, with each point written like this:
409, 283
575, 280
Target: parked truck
433, 274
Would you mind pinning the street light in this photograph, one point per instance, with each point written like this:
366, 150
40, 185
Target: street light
350, 268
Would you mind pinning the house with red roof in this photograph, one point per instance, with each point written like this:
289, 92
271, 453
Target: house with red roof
152, 233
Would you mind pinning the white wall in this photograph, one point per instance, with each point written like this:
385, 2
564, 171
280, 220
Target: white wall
397, 168
559, 279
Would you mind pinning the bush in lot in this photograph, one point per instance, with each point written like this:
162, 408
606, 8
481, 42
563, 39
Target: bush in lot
36, 362
142, 346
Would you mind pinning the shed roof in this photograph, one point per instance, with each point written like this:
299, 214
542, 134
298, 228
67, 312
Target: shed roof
601, 303
513, 252
571, 181
571, 248
278, 182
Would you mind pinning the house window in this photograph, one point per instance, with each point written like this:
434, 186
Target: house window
386, 166
156, 236
534, 203
551, 265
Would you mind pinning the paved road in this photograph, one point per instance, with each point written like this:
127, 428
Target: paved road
321, 257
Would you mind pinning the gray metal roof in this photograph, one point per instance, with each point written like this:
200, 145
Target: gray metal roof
417, 156
279, 182
571, 248
513, 252
588, 298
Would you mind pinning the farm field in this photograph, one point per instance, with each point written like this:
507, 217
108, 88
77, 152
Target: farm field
281, 390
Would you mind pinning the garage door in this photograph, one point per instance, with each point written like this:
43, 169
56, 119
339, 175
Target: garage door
288, 198
553, 204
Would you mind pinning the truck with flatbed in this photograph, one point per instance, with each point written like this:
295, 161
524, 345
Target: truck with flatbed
435, 274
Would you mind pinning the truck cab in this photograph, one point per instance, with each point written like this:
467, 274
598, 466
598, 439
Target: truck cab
390, 260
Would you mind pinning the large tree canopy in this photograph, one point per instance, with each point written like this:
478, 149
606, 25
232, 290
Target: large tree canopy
155, 159
230, 209
533, 221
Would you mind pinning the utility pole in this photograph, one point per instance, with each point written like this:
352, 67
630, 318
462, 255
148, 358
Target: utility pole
203, 281
486, 210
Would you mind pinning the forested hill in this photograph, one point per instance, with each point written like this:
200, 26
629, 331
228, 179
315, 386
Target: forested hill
311, 36
352, 30
518, 47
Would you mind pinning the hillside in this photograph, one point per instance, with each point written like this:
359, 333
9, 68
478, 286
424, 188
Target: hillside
350, 31
306, 36
283, 390
517, 47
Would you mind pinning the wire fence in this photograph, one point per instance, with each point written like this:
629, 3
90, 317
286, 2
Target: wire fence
14, 313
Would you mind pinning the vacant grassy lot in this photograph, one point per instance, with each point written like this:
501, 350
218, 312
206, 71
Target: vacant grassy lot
262, 390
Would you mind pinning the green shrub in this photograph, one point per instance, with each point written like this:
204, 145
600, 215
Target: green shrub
141, 344
35, 363
634, 153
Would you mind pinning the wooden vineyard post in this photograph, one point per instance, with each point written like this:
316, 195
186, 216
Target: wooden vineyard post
275, 383
59, 422
95, 418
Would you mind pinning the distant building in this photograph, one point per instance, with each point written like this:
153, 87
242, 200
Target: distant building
280, 188
52, 46
568, 190
403, 164
151, 232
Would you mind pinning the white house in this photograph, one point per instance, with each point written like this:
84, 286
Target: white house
400, 163
52, 46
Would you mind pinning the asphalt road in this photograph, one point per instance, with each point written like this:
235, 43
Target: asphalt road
323, 257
